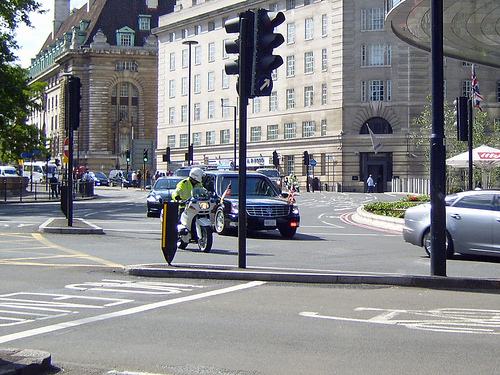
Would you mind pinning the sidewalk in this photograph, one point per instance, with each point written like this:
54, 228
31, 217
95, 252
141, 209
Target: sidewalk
23, 361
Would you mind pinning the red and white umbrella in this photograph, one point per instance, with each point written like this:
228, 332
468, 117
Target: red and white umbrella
483, 157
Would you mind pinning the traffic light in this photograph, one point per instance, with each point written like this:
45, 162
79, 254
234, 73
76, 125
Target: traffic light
166, 156
265, 40
74, 97
145, 156
462, 117
189, 154
242, 46
305, 158
276, 159
127, 156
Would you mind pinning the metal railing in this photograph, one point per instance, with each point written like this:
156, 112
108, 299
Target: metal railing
421, 186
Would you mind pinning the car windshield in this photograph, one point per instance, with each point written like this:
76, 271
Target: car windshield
270, 172
10, 172
256, 186
100, 175
166, 183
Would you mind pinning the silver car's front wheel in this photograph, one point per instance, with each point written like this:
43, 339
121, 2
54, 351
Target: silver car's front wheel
427, 243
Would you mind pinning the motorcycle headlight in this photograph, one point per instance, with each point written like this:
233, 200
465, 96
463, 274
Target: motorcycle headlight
204, 205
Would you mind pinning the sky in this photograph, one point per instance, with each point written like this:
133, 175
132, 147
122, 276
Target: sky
30, 40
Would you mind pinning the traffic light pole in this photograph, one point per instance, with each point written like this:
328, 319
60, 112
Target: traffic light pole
469, 141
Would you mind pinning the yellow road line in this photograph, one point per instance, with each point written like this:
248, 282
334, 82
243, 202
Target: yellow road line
46, 242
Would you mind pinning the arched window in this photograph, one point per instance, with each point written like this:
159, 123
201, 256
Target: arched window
378, 125
125, 101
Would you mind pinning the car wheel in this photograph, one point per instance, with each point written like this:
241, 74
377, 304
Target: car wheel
426, 242
220, 222
288, 232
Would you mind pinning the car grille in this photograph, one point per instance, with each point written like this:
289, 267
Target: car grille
269, 211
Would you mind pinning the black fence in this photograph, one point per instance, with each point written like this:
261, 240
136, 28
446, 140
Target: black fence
20, 190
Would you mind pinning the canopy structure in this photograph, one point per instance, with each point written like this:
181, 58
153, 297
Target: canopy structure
483, 157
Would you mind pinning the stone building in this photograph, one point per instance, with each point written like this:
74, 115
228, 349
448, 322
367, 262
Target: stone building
344, 73
107, 44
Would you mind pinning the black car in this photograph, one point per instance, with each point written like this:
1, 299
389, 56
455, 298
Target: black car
100, 179
161, 192
267, 208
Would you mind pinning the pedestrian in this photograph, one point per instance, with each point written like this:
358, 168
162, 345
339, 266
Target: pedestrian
370, 184
54, 186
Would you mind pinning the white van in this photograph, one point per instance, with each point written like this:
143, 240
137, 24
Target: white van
38, 171
8, 171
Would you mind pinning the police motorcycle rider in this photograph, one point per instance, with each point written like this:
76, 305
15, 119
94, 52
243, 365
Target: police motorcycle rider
184, 189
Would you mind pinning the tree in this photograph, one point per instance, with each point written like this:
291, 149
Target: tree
482, 134
17, 98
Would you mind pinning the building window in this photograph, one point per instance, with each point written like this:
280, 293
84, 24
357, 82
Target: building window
323, 127
197, 111
324, 24
256, 105
171, 37
274, 74
255, 133
210, 137
126, 65
211, 25
466, 88
378, 125
309, 62
185, 33
184, 86
309, 28
171, 141
376, 88
272, 132
225, 136
290, 66
211, 110
290, 4
363, 55
290, 164
211, 52
498, 91
308, 96
324, 94
273, 101
290, 99
125, 36
225, 55
197, 55
363, 91
183, 140
388, 89
197, 83
171, 115
197, 139
144, 22
290, 130
225, 107
308, 129
172, 60
324, 60
211, 81
290, 32
225, 79
380, 55
197, 30
184, 109
185, 56
125, 102
171, 88
372, 20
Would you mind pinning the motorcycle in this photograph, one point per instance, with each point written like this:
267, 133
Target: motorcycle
196, 221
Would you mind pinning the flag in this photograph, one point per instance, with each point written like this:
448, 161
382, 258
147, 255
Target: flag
476, 95
227, 192
377, 145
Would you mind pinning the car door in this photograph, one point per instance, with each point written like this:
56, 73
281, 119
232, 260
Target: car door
470, 223
496, 224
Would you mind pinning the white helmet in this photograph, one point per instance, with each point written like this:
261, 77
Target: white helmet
196, 174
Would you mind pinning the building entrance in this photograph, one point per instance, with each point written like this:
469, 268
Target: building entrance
379, 166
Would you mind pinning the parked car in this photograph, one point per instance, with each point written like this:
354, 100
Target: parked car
273, 174
7, 171
100, 179
267, 208
161, 192
472, 223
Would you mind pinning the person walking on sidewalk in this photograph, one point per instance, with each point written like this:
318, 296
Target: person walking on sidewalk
370, 184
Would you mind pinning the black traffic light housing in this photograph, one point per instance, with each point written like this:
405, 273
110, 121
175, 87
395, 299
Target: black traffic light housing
189, 155
305, 158
127, 156
74, 96
166, 156
265, 40
276, 159
462, 118
145, 156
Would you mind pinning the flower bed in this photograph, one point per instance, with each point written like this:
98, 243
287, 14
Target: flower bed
396, 209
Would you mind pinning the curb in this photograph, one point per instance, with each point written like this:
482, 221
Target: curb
305, 276
60, 226
379, 221
23, 361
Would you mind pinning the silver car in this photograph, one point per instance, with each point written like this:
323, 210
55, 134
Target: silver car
472, 224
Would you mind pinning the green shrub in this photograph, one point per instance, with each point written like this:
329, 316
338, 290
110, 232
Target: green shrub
396, 209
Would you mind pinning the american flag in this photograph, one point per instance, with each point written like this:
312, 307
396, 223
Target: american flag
476, 95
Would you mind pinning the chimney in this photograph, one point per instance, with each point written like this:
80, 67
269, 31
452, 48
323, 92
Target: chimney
61, 14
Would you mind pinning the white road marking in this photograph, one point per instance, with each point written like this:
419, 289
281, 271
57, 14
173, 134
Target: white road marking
131, 311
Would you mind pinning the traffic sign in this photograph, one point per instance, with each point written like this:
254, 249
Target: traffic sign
66, 147
26, 155
312, 163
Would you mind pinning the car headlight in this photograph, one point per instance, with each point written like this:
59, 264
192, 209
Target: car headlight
234, 208
295, 209
154, 198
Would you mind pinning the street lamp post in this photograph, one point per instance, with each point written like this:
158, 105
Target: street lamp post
189, 43
235, 129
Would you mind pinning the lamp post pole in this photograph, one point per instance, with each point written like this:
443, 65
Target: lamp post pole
189, 43
235, 128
